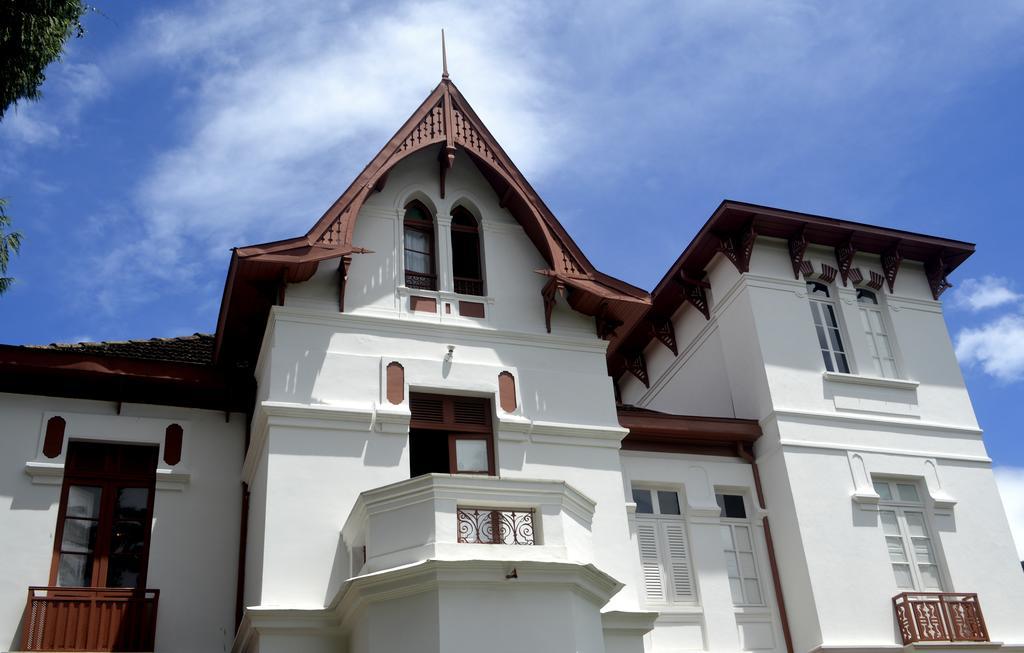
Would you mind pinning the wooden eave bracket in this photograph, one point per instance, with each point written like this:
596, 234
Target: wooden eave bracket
549, 293
891, 259
738, 246
797, 249
636, 365
664, 332
876, 280
343, 264
844, 258
936, 271
694, 292
605, 323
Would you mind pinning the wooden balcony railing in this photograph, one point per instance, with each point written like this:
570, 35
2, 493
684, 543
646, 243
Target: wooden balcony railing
90, 619
490, 526
939, 617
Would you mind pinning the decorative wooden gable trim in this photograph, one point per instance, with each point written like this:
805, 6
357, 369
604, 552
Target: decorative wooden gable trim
891, 259
797, 249
664, 332
844, 258
695, 293
936, 272
636, 365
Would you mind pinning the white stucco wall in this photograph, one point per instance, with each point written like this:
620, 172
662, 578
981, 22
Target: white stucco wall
194, 547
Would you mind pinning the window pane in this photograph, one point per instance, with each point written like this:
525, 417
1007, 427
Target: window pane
132, 503
642, 499
822, 341
830, 316
124, 571
835, 340
882, 490
128, 537
841, 364
753, 590
930, 577
908, 493
876, 321
915, 524
417, 241
896, 551
889, 525
731, 506
732, 566
923, 551
79, 535
747, 565
668, 503
471, 456
83, 501
736, 585
742, 538
416, 262
877, 366
904, 580
74, 570
828, 360
888, 368
816, 313
726, 533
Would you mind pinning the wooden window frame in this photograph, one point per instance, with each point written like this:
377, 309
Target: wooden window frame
458, 430
430, 231
108, 483
475, 230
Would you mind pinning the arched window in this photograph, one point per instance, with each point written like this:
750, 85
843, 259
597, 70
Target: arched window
466, 267
420, 271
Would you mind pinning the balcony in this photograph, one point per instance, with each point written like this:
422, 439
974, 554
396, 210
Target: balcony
939, 617
467, 517
90, 619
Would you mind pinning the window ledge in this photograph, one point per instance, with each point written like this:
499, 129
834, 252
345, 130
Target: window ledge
46, 473
404, 290
876, 381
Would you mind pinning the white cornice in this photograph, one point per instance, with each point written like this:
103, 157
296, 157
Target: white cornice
913, 425
875, 381
356, 323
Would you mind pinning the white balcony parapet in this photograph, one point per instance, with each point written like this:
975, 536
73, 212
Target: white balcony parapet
418, 519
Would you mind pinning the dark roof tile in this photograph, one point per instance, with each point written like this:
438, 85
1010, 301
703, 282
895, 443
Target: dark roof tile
197, 349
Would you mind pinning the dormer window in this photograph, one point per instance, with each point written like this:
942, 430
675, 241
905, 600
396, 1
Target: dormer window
466, 265
420, 268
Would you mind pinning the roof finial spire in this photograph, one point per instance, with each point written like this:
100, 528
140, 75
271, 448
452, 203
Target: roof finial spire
444, 57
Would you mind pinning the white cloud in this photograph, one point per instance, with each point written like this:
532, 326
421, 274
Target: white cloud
998, 347
282, 103
73, 87
1011, 487
987, 292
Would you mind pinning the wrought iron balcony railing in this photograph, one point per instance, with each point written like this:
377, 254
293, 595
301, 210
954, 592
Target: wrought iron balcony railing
420, 280
490, 526
90, 619
939, 617
467, 286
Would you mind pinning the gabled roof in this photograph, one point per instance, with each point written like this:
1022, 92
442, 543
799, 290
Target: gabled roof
447, 122
732, 230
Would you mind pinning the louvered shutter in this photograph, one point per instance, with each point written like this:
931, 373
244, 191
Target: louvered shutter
650, 561
677, 560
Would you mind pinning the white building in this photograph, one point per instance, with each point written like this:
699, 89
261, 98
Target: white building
429, 424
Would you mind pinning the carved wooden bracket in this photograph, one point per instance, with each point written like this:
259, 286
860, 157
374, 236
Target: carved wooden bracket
806, 268
343, 281
606, 325
891, 259
876, 280
447, 159
797, 248
844, 257
664, 332
856, 276
695, 292
936, 272
738, 246
549, 292
828, 273
636, 365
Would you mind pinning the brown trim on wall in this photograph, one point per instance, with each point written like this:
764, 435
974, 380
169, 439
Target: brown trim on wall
55, 373
471, 309
507, 391
395, 386
666, 433
422, 304
53, 443
243, 538
748, 455
172, 444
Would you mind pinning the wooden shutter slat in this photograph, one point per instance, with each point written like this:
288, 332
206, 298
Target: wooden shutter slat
678, 559
650, 562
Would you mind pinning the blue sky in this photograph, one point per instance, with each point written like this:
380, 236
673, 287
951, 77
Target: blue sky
171, 133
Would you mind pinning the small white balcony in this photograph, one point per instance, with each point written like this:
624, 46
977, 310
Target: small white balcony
468, 517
